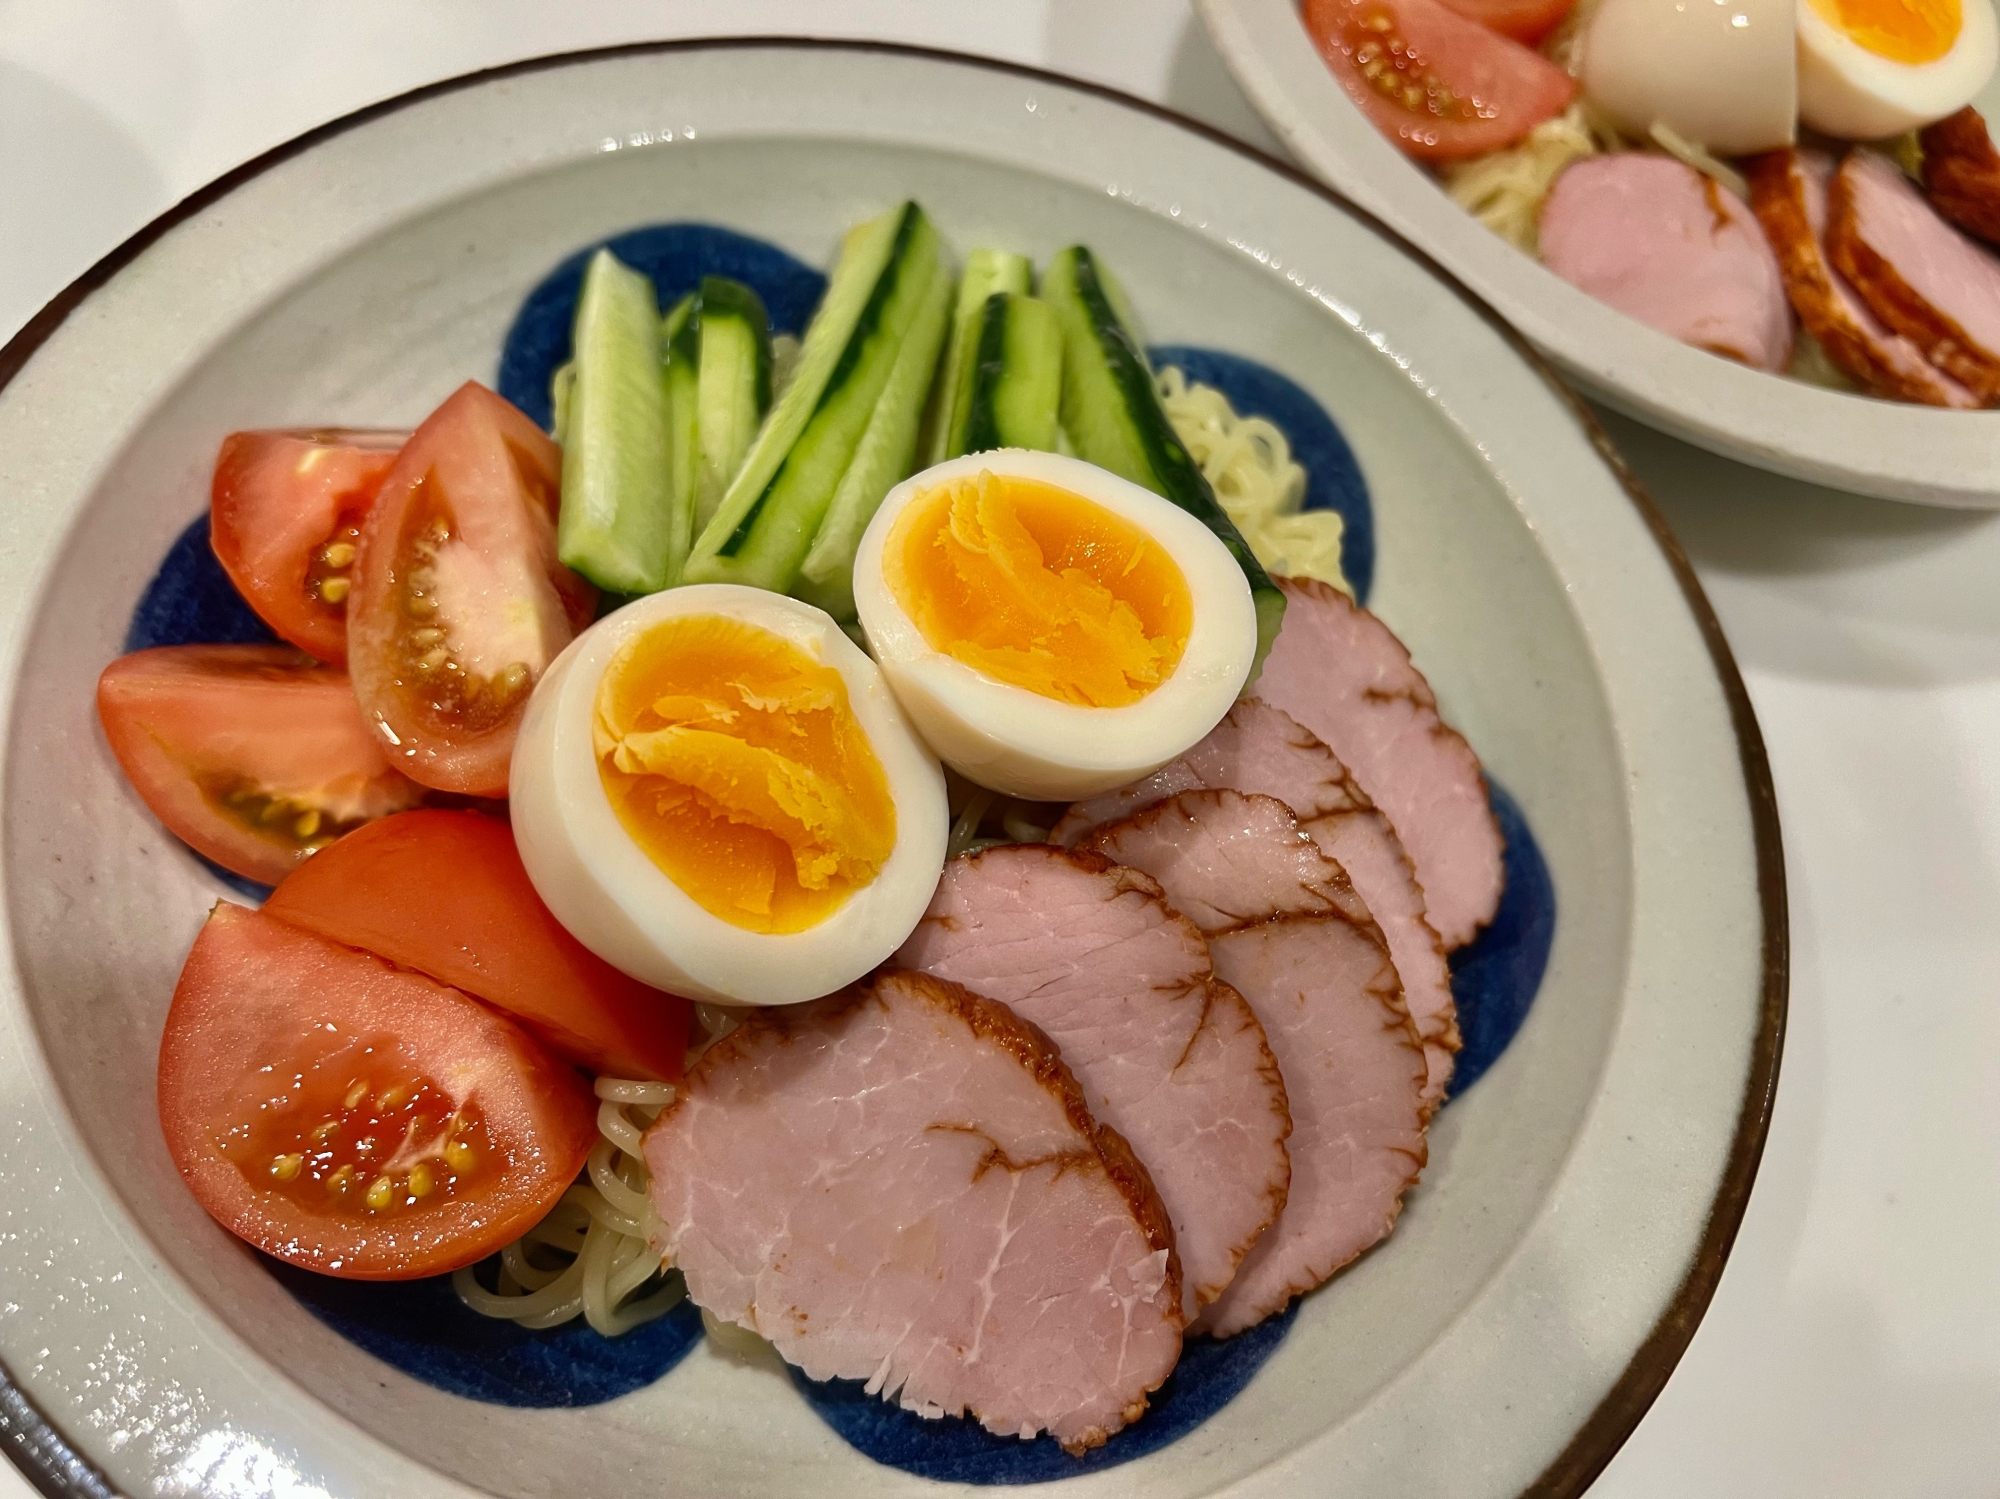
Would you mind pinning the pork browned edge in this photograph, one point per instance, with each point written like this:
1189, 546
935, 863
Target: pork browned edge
1258, 748
1788, 191
1916, 272
1962, 172
1319, 977
902, 1184
1167, 1056
1339, 670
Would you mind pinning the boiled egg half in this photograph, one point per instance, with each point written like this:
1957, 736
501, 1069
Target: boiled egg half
1718, 73
1870, 68
716, 791
1052, 630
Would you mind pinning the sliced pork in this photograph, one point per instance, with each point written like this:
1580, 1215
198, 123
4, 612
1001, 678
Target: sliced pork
902, 1184
1788, 190
1321, 982
1230, 859
1662, 243
1258, 748
1962, 172
1339, 671
1352, 1066
1916, 273
1170, 1058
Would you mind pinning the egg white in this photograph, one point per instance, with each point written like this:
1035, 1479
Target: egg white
1847, 91
616, 901
1017, 741
1720, 73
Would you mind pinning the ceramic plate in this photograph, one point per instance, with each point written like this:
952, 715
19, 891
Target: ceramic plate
1883, 448
1623, 1014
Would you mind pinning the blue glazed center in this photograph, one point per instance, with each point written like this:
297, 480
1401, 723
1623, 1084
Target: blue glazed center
424, 1330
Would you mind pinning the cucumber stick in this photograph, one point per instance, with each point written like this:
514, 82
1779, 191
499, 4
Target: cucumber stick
620, 524
884, 458
986, 272
735, 387
1112, 416
1013, 390
772, 509
680, 337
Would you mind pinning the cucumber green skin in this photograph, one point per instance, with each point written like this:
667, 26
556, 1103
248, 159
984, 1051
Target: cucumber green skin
1015, 393
735, 388
1112, 416
884, 459
617, 525
986, 271
864, 257
761, 535
682, 332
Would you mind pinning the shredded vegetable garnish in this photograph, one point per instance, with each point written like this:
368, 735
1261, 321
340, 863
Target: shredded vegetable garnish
1701, 159
1249, 464
1812, 364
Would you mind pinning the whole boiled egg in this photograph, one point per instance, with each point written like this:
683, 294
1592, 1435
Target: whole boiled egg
1052, 630
1718, 73
716, 791
1870, 68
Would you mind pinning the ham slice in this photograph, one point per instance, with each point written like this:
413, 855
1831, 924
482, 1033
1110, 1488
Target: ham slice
1320, 980
1962, 172
1788, 190
903, 1184
1916, 273
1654, 238
1339, 671
1257, 748
1165, 1055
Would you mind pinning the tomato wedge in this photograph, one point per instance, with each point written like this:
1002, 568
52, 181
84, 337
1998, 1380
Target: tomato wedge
285, 515
444, 893
1526, 21
353, 1118
459, 603
253, 754
1438, 85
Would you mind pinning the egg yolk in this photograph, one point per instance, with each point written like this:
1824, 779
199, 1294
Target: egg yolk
734, 759
1040, 588
1906, 31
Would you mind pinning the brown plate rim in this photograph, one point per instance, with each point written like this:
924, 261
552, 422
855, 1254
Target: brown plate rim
59, 1470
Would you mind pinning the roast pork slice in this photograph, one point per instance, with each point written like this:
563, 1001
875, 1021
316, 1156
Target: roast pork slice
1339, 671
1354, 1074
1257, 748
1228, 859
1916, 273
1788, 190
902, 1184
1962, 172
1664, 244
1318, 976
1167, 1056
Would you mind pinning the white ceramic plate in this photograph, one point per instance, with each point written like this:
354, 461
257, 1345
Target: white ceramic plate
1580, 1198
1883, 448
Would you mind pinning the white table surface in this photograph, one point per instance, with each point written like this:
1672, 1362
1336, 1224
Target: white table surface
1854, 1346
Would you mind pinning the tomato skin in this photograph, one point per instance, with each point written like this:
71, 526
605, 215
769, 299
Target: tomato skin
1441, 87
445, 893
459, 603
1525, 21
268, 1024
231, 745
279, 502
